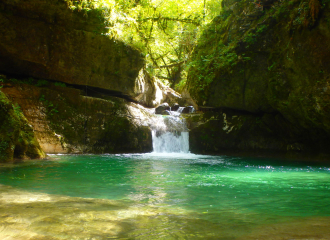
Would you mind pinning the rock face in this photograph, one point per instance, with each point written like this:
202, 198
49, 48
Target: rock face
45, 39
66, 122
153, 92
17, 140
234, 131
268, 58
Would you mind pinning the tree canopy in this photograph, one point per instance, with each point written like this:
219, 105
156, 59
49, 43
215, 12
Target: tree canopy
165, 31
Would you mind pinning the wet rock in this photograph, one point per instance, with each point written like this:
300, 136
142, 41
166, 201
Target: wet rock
189, 109
161, 108
166, 112
175, 107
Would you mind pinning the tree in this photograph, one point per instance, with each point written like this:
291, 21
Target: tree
166, 31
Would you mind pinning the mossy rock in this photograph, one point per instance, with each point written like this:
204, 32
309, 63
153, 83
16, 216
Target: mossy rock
17, 140
268, 59
93, 125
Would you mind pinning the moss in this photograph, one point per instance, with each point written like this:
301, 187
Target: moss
242, 42
93, 125
16, 135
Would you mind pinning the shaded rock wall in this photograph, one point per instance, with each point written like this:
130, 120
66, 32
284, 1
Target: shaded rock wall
17, 139
234, 131
66, 122
45, 39
268, 57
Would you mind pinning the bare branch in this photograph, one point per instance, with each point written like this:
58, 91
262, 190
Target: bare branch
185, 20
171, 65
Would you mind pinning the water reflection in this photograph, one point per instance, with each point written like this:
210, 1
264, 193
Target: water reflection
148, 196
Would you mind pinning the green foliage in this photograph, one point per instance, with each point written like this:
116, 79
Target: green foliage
250, 39
181, 85
60, 84
205, 67
30, 81
225, 14
272, 66
51, 109
3, 146
165, 31
261, 29
41, 83
17, 109
304, 13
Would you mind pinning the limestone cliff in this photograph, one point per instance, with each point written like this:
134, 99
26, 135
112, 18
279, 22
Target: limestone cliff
44, 44
66, 121
45, 39
268, 59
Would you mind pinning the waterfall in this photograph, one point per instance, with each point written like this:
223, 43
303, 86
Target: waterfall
170, 134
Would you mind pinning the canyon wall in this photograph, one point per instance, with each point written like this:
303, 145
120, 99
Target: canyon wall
268, 64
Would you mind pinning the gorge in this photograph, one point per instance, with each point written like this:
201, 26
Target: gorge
89, 148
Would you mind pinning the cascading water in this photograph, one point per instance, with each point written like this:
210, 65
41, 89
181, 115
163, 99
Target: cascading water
170, 134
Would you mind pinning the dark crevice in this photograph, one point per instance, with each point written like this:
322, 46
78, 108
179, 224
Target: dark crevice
101, 93
89, 91
230, 111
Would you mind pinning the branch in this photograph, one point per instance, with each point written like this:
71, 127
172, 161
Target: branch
185, 20
171, 65
162, 77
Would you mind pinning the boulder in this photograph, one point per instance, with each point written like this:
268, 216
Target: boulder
161, 108
175, 107
189, 109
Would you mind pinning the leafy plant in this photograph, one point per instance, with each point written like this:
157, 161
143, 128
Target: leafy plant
60, 84
50, 107
3, 146
271, 67
42, 83
17, 109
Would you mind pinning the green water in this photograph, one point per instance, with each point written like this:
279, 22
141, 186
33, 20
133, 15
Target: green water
192, 196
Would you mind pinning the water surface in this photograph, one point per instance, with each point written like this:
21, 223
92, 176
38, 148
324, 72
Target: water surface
164, 196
